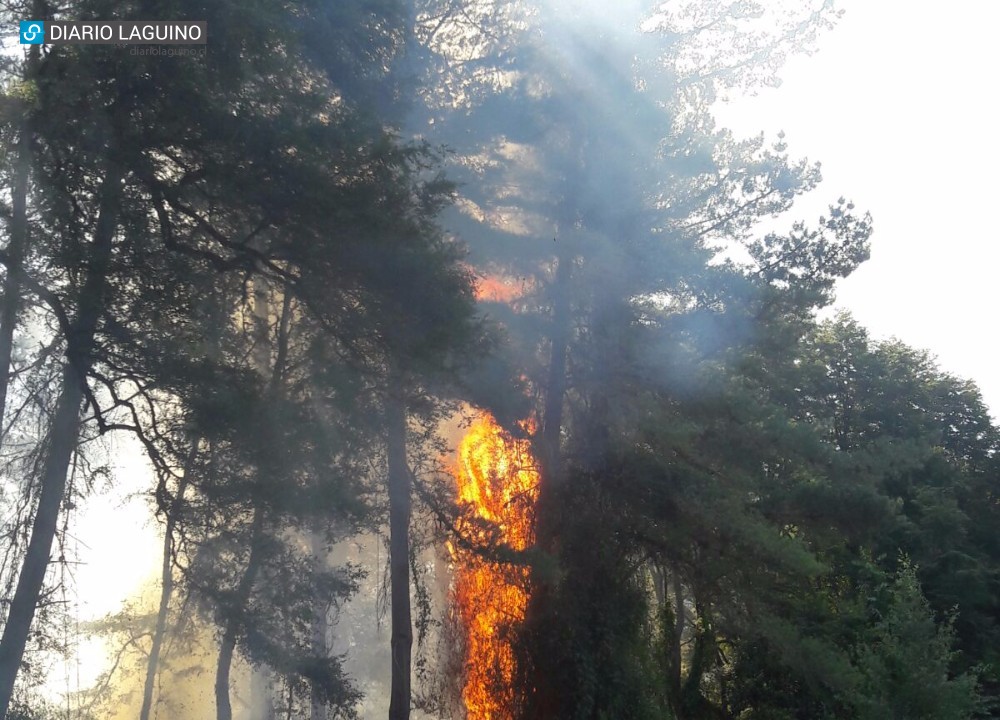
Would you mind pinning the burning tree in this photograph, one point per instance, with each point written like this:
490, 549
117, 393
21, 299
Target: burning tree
592, 171
497, 481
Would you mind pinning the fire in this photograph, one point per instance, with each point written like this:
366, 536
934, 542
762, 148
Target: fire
495, 288
498, 482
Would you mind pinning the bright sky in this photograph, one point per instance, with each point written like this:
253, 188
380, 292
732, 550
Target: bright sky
116, 541
902, 107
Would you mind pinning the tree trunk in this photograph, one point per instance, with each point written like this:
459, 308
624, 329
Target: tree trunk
262, 700
555, 388
261, 327
542, 701
549, 454
166, 586
317, 709
401, 642
62, 439
675, 680
703, 657
223, 706
399, 552
10, 309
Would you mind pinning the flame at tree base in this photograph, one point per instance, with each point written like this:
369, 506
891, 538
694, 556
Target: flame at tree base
498, 482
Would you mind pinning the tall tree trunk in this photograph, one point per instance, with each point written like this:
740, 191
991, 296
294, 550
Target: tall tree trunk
674, 681
555, 392
166, 585
543, 700
261, 679
223, 706
400, 501
10, 309
399, 551
704, 655
401, 642
317, 709
262, 690
62, 439
555, 389
261, 327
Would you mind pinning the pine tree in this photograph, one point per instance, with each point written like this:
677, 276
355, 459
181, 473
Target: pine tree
159, 176
595, 183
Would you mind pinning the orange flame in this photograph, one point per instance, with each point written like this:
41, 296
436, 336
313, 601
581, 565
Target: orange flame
498, 481
496, 288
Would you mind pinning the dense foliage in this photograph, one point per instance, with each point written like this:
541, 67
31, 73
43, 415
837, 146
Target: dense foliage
263, 262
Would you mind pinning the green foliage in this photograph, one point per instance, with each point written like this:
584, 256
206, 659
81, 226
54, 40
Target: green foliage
21, 711
596, 660
906, 658
727, 485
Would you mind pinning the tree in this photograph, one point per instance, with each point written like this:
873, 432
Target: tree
928, 441
17, 246
127, 178
906, 660
240, 259
596, 182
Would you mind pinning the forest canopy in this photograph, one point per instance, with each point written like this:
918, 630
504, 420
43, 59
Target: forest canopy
478, 373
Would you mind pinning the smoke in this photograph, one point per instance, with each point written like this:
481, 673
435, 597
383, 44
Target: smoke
185, 679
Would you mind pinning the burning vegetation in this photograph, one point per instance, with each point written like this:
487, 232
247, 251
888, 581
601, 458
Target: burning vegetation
500, 289
279, 266
498, 483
